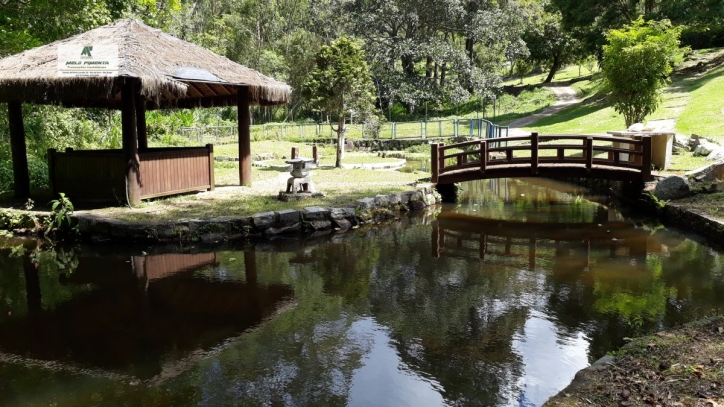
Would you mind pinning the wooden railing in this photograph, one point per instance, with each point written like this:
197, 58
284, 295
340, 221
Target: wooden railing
99, 175
520, 156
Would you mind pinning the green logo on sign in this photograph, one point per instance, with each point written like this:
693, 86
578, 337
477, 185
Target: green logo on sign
87, 51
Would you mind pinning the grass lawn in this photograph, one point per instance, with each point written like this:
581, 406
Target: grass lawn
563, 74
704, 112
341, 187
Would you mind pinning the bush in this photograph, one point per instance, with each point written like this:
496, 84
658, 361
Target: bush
38, 174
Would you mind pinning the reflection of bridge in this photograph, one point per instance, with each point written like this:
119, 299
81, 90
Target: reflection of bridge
469, 236
529, 156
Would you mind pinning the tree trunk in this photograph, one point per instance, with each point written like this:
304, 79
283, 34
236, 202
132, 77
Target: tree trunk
554, 68
469, 44
428, 68
340, 141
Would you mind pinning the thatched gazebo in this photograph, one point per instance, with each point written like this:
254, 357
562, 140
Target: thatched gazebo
155, 71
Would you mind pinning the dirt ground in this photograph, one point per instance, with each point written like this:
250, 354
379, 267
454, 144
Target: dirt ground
680, 367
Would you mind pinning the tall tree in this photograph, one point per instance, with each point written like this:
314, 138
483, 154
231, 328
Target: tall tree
341, 85
637, 62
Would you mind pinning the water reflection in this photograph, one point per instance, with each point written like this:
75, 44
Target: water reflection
141, 317
498, 300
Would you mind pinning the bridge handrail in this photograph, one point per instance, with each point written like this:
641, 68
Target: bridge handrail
639, 149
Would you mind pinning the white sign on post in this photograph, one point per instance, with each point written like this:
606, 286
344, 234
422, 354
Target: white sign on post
88, 60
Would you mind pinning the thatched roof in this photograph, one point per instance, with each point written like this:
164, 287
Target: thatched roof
171, 72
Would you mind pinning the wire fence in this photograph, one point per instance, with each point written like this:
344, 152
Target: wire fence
421, 130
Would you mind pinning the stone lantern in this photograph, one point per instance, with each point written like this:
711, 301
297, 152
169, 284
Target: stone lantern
300, 180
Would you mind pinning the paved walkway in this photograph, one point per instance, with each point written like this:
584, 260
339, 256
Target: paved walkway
565, 97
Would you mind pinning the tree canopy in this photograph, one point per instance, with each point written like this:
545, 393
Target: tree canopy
637, 61
340, 84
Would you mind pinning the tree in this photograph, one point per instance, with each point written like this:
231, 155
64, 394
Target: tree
340, 84
637, 62
549, 44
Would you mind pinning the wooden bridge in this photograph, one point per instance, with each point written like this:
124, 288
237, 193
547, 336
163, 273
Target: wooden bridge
551, 156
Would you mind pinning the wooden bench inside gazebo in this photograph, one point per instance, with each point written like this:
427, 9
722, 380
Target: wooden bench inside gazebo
154, 71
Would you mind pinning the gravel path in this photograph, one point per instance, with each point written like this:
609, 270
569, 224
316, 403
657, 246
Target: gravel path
565, 97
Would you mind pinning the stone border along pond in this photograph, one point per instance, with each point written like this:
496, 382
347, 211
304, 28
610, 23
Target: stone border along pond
266, 224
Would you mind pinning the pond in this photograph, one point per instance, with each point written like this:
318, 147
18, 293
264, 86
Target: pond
496, 301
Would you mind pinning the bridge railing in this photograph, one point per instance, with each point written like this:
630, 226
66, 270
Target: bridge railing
534, 150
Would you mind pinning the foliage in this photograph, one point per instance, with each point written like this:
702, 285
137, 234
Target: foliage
38, 171
549, 43
341, 85
61, 212
637, 62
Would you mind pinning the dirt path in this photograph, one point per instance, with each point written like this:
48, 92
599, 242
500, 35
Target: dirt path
565, 97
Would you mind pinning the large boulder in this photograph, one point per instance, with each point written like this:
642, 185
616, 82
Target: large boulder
709, 173
705, 147
673, 187
716, 154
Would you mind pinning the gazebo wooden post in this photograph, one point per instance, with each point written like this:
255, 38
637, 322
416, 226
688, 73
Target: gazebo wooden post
141, 120
242, 105
130, 142
21, 177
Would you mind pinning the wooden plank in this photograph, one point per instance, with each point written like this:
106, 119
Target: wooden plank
534, 154
212, 179
18, 150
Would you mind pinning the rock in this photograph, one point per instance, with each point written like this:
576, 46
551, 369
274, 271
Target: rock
348, 145
705, 147
365, 203
317, 218
716, 155
673, 187
286, 221
681, 143
636, 127
709, 173
263, 221
382, 201
694, 141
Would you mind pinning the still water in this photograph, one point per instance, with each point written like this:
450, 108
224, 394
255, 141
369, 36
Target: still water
496, 301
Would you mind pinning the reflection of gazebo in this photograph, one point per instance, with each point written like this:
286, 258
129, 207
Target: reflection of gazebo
150, 318
156, 71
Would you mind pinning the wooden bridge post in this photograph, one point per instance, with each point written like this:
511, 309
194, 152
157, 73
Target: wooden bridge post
295, 152
589, 153
646, 160
534, 153
435, 162
483, 156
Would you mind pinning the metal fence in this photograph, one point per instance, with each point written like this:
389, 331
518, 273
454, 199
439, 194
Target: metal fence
480, 128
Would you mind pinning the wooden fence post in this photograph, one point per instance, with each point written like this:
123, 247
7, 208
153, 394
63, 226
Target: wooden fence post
295, 152
534, 153
435, 162
315, 154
